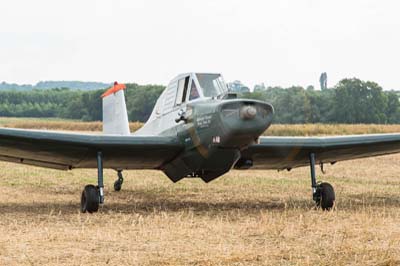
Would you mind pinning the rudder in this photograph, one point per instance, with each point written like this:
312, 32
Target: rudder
115, 115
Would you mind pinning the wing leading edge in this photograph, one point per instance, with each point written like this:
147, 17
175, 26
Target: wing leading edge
68, 150
291, 152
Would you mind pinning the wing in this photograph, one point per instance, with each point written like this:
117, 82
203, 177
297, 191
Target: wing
67, 150
291, 152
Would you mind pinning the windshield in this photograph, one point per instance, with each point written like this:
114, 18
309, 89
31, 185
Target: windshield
212, 84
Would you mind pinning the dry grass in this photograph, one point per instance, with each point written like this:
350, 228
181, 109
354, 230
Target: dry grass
57, 124
242, 218
329, 129
274, 130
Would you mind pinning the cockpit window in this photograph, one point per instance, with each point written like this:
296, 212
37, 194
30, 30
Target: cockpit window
194, 93
212, 84
181, 90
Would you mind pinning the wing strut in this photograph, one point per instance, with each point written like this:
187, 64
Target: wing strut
313, 178
100, 176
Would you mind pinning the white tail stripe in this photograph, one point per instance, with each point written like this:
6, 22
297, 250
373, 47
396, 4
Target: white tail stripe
115, 116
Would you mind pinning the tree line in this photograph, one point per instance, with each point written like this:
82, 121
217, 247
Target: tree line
76, 104
75, 85
350, 101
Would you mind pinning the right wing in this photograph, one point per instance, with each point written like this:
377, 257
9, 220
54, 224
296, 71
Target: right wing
290, 152
69, 150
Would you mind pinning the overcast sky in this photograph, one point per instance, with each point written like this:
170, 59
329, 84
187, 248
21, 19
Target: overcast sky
150, 41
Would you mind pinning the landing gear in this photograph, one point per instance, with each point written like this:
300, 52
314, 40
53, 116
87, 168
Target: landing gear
93, 196
326, 196
90, 199
119, 181
323, 193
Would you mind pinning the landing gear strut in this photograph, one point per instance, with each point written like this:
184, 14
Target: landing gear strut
323, 193
93, 196
119, 181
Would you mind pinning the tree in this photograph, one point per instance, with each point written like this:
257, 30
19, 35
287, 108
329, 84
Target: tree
357, 101
393, 108
141, 100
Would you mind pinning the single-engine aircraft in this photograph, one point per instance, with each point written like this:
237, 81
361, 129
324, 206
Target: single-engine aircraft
197, 129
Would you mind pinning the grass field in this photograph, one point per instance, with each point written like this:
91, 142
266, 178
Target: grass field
242, 218
56, 124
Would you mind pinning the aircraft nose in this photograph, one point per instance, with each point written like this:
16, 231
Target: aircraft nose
248, 112
243, 121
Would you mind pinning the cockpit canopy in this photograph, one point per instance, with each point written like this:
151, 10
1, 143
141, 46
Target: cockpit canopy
190, 87
212, 85
198, 85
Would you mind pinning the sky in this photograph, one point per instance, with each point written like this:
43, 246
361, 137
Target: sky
280, 43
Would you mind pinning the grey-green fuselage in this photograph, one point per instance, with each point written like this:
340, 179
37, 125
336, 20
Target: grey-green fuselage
214, 132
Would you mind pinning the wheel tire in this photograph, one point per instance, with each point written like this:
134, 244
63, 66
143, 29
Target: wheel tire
90, 199
117, 185
327, 196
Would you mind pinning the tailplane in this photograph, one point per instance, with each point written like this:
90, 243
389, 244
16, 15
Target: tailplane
115, 116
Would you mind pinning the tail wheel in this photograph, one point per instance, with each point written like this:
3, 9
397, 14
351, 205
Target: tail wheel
117, 185
326, 199
119, 181
90, 199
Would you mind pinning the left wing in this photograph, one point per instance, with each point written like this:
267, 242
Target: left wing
291, 152
70, 150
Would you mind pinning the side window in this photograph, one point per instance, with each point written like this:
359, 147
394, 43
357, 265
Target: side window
194, 93
181, 91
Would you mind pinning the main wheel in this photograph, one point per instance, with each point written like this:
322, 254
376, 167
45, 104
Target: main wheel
326, 196
90, 199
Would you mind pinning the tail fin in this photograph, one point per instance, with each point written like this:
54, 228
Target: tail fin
115, 116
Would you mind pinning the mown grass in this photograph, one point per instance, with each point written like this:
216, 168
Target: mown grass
57, 124
248, 217
243, 218
274, 130
329, 129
